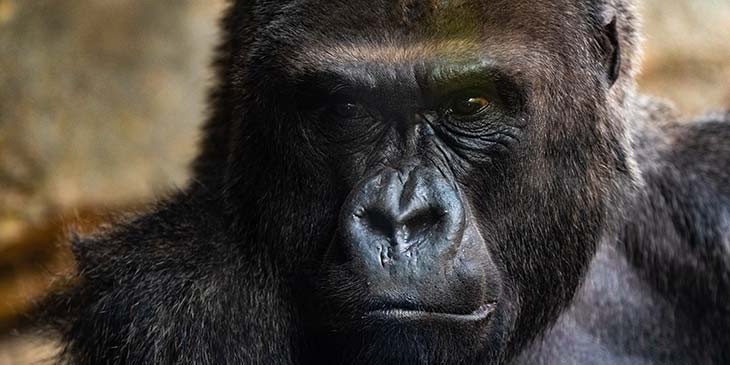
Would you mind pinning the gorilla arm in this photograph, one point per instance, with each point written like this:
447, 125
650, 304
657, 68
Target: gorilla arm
169, 287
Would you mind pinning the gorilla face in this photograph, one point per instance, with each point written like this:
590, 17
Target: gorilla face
450, 162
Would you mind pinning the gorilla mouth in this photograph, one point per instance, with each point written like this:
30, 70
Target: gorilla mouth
482, 313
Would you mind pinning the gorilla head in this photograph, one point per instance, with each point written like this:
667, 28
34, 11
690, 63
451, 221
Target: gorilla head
432, 177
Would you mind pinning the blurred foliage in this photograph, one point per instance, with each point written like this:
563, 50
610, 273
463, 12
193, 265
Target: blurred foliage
100, 103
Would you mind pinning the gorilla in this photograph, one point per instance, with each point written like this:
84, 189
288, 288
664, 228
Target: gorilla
422, 182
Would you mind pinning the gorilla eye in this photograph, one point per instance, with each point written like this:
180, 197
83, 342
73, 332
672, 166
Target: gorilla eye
349, 110
467, 105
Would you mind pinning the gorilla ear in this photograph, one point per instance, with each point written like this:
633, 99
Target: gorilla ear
611, 48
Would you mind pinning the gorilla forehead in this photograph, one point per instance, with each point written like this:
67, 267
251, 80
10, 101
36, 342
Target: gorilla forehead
431, 16
319, 34
394, 59
316, 24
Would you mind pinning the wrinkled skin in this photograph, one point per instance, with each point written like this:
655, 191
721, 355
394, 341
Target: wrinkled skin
422, 182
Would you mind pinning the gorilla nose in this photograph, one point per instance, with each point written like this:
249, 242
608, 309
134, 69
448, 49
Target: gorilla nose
403, 223
401, 229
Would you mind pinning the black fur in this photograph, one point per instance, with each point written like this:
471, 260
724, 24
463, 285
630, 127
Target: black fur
607, 220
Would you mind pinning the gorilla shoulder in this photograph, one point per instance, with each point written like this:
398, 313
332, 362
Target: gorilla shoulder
681, 222
668, 272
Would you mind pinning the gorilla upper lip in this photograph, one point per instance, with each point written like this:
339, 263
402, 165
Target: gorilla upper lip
404, 314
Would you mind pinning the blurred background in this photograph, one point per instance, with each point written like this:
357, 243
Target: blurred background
100, 102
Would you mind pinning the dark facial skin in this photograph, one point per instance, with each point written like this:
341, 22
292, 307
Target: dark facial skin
437, 143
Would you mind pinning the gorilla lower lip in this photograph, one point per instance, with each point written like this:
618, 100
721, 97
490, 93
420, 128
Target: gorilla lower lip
480, 314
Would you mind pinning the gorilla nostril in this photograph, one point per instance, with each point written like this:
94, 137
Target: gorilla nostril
379, 222
422, 221
412, 227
